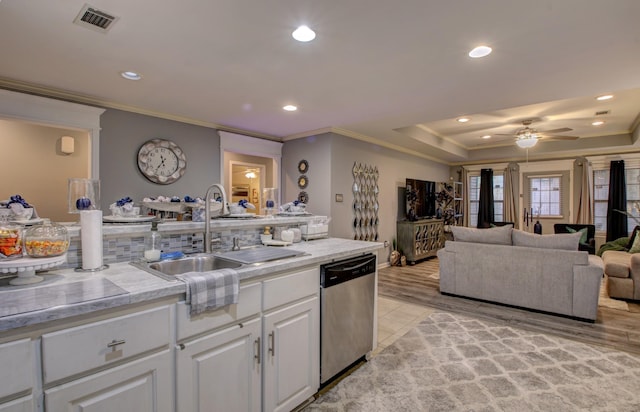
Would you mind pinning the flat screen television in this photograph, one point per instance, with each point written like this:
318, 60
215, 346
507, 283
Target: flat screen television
420, 199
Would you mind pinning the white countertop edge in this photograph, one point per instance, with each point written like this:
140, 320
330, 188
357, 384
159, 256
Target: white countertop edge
141, 286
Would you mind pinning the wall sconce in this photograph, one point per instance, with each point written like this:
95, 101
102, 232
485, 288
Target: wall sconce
67, 144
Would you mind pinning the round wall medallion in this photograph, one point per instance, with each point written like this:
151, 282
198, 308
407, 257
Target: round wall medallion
161, 161
303, 197
303, 182
303, 166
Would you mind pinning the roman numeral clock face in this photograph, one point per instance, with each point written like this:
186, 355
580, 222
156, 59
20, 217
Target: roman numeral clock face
161, 161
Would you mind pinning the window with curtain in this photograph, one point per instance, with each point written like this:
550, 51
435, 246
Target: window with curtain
601, 196
474, 198
545, 196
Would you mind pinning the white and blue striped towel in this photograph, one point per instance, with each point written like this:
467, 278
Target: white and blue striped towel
210, 290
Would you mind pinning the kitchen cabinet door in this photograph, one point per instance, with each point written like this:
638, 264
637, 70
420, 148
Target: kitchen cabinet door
25, 404
291, 355
18, 358
142, 385
220, 372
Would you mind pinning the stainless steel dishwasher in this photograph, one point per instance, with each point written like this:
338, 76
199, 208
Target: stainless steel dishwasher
346, 313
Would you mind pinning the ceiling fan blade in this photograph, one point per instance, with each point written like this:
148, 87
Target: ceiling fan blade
505, 134
560, 130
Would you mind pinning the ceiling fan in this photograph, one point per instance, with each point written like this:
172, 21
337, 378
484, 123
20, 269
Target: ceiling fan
527, 137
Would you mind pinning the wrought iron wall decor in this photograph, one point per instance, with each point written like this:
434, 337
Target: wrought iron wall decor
365, 202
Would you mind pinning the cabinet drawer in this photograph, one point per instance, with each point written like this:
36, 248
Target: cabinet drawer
249, 303
75, 350
288, 288
16, 357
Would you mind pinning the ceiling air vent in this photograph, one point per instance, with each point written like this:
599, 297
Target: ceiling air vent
603, 112
95, 19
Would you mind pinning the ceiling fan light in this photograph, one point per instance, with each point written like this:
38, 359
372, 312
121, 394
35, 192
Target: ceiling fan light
527, 143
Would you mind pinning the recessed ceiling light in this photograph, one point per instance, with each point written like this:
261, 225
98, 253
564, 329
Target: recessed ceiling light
480, 51
304, 34
463, 119
290, 108
131, 75
597, 123
605, 97
486, 136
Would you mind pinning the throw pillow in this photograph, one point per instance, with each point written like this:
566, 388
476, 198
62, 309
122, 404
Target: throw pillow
495, 235
583, 234
564, 241
633, 237
635, 247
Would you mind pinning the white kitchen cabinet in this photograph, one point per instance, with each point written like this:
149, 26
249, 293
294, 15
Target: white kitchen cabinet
291, 355
141, 385
221, 372
16, 356
26, 404
76, 350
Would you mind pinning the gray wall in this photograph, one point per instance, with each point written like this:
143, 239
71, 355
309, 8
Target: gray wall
316, 150
394, 168
121, 135
331, 159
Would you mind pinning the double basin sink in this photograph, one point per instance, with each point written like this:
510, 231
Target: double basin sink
201, 262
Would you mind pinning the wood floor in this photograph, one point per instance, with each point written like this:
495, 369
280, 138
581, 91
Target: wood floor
613, 327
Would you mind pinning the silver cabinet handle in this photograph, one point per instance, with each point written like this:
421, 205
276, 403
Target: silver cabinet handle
272, 346
257, 355
115, 343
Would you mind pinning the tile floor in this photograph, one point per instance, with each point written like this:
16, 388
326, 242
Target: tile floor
395, 318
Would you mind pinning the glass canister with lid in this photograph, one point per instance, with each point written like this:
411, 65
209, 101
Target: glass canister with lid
10, 240
46, 240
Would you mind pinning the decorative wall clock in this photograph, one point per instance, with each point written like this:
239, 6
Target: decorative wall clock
161, 161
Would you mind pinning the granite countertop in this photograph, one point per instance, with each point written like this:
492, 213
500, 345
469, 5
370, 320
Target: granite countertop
66, 293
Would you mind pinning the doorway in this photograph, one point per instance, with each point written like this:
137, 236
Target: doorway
247, 181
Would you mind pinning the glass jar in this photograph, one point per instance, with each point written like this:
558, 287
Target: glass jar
46, 240
10, 241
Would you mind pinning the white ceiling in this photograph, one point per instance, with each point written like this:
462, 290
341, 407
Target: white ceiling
392, 72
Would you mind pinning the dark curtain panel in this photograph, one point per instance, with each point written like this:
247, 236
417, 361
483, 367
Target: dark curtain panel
616, 221
485, 206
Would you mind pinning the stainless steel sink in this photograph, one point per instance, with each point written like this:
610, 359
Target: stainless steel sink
260, 254
168, 269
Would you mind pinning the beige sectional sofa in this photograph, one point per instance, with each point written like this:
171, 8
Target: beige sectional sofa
541, 272
623, 274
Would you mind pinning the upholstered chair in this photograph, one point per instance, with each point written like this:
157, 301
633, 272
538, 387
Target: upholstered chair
587, 241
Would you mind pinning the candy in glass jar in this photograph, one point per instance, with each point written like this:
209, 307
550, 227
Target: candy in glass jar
10, 241
46, 240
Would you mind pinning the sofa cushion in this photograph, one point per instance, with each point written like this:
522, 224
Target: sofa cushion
495, 235
568, 241
616, 263
635, 246
633, 236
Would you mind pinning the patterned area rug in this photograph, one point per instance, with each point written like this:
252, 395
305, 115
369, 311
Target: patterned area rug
451, 362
